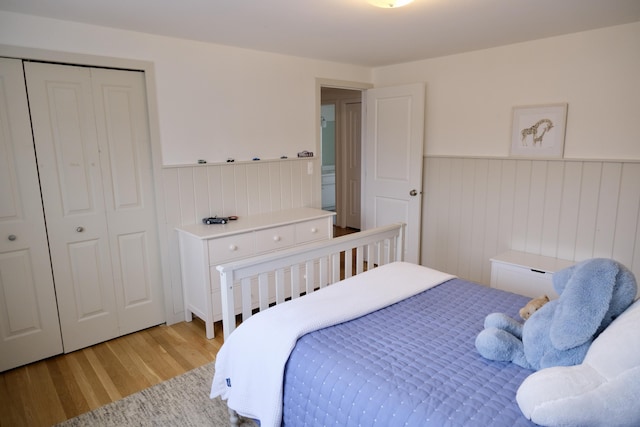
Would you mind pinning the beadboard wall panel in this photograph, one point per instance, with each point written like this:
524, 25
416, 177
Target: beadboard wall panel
473, 208
476, 208
194, 192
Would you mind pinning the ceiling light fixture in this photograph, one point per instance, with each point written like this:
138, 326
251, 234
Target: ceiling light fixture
390, 4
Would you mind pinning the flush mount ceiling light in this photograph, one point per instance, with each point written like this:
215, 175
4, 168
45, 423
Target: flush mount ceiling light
390, 4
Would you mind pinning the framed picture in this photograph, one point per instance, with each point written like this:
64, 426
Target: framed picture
538, 131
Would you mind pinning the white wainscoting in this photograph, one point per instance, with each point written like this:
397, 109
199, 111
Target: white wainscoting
475, 208
193, 192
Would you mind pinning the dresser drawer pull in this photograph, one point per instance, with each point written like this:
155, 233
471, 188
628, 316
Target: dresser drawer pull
276, 238
233, 248
314, 230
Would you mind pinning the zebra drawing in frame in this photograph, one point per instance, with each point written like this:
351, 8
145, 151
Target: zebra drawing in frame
536, 132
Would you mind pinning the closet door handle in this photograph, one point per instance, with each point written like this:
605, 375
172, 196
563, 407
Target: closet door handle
80, 229
12, 237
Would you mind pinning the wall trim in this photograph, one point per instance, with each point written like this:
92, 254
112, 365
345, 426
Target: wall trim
564, 159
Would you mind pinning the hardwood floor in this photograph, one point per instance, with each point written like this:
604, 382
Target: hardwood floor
53, 390
340, 231
61, 387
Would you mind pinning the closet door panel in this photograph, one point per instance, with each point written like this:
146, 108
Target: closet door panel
29, 327
125, 153
66, 143
88, 283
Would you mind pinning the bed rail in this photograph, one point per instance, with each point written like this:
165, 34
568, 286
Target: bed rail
260, 282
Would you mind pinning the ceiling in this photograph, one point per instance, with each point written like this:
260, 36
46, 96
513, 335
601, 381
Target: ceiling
346, 31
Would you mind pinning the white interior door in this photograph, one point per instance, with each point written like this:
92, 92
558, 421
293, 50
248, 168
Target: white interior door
393, 160
66, 143
125, 155
29, 327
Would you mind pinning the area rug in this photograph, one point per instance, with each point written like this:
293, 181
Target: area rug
180, 401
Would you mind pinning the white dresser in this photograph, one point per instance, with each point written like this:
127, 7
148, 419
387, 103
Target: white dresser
203, 247
526, 274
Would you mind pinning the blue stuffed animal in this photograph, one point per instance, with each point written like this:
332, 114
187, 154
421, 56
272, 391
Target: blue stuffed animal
592, 294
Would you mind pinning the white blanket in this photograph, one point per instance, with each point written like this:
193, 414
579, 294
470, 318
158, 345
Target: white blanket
250, 365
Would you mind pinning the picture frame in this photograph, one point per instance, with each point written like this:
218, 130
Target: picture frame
538, 131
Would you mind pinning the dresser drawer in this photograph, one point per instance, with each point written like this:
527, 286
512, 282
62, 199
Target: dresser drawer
274, 238
310, 231
229, 248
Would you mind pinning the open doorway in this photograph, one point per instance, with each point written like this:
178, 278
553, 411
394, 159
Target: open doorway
341, 142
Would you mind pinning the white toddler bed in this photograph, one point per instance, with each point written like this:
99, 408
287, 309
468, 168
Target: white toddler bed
395, 346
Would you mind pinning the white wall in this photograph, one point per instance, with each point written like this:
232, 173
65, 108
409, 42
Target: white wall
470, 96
478, 202
214, 102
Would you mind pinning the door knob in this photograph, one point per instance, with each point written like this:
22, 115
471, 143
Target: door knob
12, 237
413, 193
80, 229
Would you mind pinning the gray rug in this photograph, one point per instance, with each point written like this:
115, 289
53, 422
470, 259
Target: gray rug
180, 401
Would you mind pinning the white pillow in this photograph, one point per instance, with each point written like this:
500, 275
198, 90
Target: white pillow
602, 391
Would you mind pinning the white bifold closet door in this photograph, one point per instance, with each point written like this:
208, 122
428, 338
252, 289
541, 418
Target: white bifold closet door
29, 328
90, 128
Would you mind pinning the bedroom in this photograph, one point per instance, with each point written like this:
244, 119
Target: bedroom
469, 101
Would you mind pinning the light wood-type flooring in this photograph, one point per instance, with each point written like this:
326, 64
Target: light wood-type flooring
61, 387
55, 389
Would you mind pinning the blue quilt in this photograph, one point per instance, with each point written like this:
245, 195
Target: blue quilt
413, 363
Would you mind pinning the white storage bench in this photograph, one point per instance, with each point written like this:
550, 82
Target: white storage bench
526, 274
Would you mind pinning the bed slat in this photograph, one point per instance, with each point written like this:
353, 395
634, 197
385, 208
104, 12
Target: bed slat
323, 274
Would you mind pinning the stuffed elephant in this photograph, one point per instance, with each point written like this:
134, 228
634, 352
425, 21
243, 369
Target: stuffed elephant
592, 294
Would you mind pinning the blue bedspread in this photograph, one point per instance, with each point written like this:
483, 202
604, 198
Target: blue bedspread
413, 363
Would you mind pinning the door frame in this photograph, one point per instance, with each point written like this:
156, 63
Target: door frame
340, 98
347, 85
26, 53
346, 147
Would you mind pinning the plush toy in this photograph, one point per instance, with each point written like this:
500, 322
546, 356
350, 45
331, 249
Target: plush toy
592, 294
533, 306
